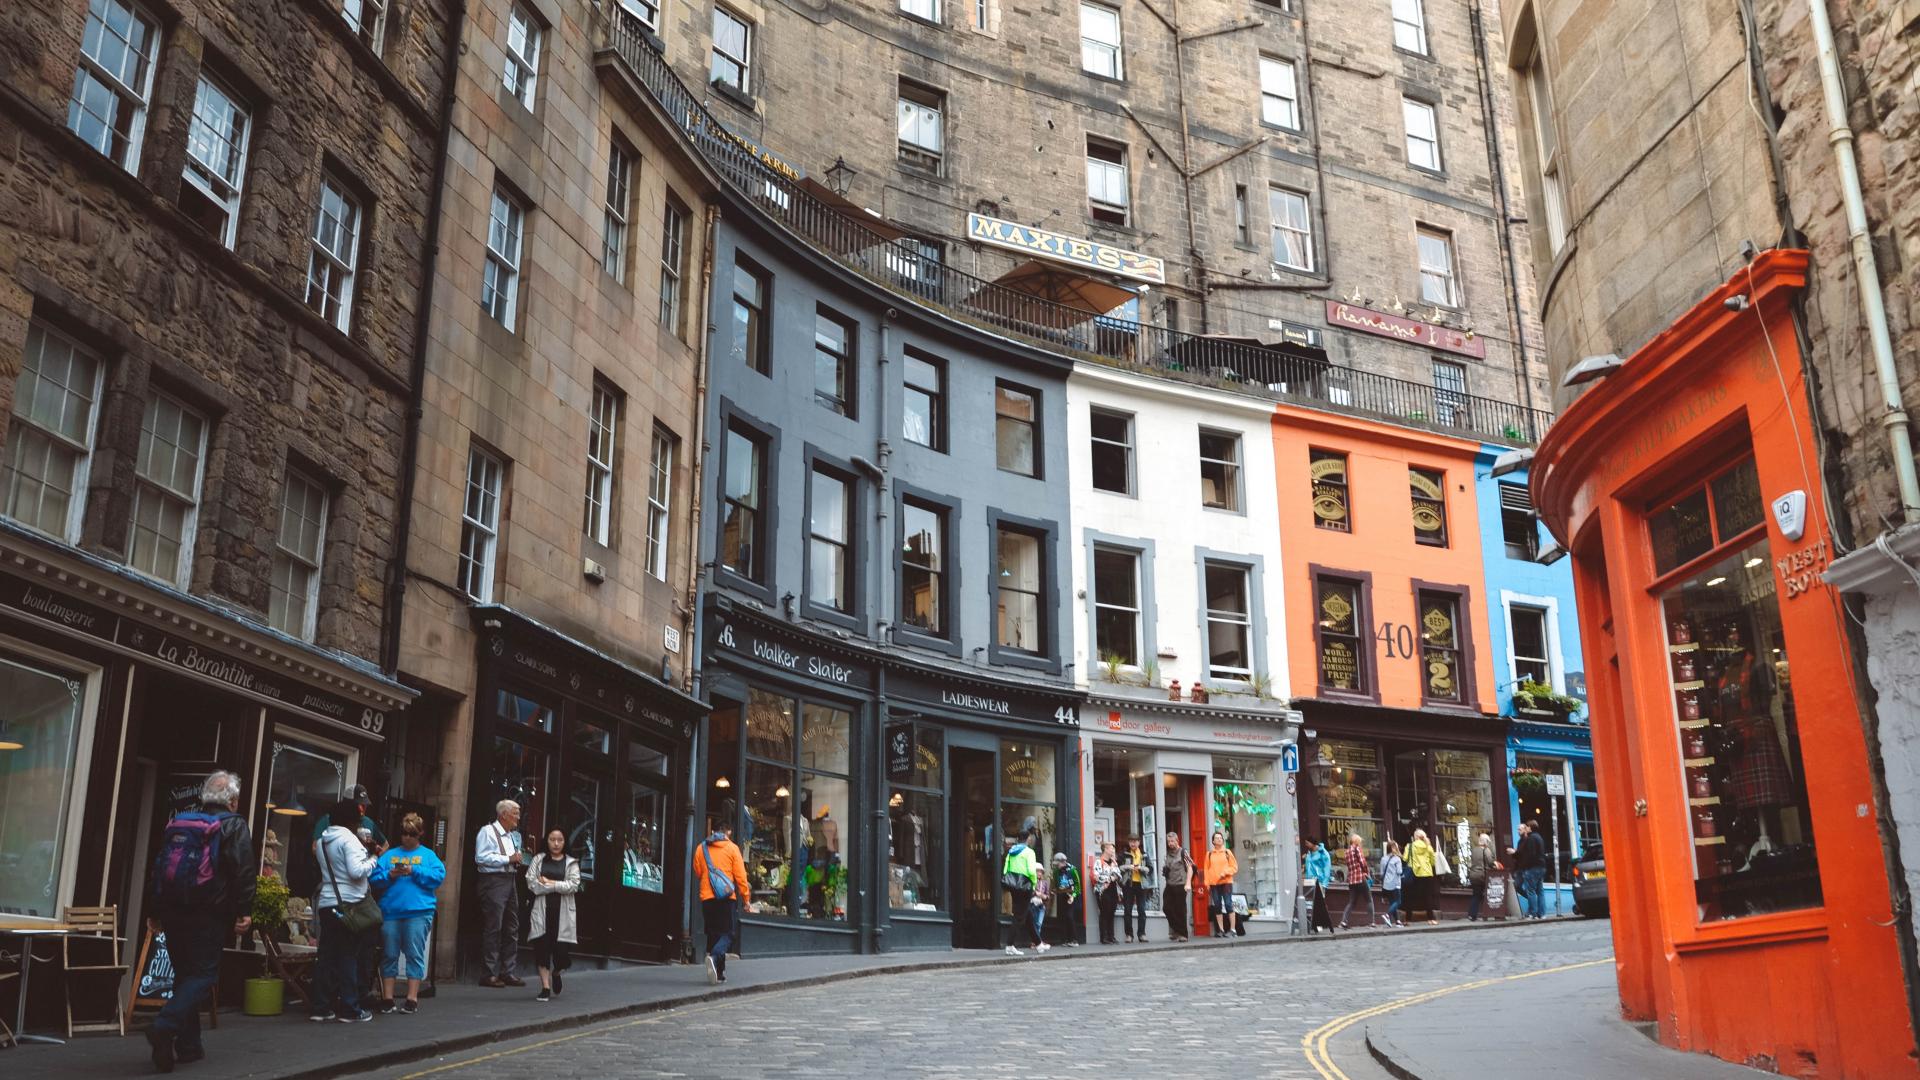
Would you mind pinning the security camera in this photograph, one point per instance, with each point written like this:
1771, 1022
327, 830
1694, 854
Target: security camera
1736, 302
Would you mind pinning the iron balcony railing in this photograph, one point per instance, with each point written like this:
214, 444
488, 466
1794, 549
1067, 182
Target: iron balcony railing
904, 267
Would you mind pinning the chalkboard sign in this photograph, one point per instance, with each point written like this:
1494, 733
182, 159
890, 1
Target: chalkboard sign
899, 751
153, 972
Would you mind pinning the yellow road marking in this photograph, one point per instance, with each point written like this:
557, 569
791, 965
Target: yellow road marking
1314, 1043
597, 1029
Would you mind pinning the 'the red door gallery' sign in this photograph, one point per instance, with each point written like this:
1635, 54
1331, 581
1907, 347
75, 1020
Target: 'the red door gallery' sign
1410, 331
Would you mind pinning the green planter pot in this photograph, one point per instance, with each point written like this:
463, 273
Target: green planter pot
265, 997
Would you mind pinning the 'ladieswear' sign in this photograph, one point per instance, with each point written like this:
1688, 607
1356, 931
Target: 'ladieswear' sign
1410, 331
1068, 249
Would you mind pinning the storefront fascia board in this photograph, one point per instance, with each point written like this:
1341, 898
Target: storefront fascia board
583, 673
1406, 725
742, 638
1046, 708
106, 605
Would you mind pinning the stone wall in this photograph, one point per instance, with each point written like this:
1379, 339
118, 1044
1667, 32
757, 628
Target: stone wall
109, 258
1018, 110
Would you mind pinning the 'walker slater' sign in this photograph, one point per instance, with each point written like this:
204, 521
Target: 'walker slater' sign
741, 641
183, 653
1067, 249
1412, 331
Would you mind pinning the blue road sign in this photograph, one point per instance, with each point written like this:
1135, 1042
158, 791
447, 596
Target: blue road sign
1290, 758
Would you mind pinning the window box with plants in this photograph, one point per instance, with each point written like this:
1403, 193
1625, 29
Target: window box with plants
1539, 701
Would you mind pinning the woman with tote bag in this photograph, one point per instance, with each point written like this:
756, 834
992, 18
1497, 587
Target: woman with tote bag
553, 878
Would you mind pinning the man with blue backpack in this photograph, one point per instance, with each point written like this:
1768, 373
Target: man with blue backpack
200, 894
722, 874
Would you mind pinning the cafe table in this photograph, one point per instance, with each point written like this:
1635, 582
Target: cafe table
29, 931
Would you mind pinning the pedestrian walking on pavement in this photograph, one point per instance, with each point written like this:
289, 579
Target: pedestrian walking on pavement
346, 878
1479, 872
1106, 891
405, 879
722, 875
1530, 864
499, 859
1068, 914
1420, 860
1317, 868
1176, 900
1020, 876
1133, 890
1359, 879
1218, 878
553, 878
1393, 874
198, 910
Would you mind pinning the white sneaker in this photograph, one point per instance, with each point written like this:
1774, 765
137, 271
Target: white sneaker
713, 973
1011, 951
1043, 947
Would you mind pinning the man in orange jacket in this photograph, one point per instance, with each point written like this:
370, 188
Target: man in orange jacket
722, 875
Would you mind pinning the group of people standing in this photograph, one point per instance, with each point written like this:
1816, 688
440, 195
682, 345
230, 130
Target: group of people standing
1409, 880
1121, 884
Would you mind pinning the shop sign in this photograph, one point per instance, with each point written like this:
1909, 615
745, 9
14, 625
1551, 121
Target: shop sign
797, 660
1329, 477
1067, 249
899, 751
570, 677
1800, 570
1294, 333
1033, 709
1126, 725
107, 628
699, 123
1410, 331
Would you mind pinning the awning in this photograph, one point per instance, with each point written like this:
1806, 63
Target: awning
1251, 360
876, 230
1070, 297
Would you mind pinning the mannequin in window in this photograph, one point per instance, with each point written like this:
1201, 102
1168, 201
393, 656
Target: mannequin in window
1759, 781
825, 877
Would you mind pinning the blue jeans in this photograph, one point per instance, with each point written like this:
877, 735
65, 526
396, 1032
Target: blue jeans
194, 939
718, 916
1530, 882
405, 936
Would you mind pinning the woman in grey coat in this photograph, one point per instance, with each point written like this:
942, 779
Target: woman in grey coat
1479, 872
554, 879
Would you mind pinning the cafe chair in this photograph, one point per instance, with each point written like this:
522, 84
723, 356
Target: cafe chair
6, 1033
91, 954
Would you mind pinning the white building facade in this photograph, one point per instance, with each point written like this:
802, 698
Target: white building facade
1177, 627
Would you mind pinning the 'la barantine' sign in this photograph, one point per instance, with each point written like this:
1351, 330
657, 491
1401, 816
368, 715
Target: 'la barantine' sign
1068, 249
1410, 331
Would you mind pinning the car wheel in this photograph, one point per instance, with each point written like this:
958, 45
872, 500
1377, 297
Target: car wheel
1591, 910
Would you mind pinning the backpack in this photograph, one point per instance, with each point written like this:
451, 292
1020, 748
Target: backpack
185, 872
717, 880
1010, 879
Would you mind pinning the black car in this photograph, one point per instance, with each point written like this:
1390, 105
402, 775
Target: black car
1590, 882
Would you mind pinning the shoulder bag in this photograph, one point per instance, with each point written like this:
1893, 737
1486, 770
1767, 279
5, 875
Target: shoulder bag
359, 916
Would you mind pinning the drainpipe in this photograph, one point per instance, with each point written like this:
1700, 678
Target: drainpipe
875, 912
690, 616
417, 372
1319, 158
1865, 268
1186, 163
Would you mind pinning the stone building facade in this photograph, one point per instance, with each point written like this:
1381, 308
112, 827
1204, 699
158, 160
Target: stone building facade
211, 257
549, 576
1674, 142
1209, 127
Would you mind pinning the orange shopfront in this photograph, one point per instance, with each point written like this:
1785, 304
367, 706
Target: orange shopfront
1750, 900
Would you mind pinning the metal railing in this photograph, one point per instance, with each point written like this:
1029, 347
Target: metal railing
903, 267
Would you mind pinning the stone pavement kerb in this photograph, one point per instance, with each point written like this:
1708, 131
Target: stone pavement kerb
462, 1017
1479, 1034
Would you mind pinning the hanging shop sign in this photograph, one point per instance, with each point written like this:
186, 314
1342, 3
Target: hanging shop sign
742, 641
1294, 333
1067, 249
1410, 331
900, 750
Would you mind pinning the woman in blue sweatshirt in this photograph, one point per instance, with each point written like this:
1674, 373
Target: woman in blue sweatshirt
405, 879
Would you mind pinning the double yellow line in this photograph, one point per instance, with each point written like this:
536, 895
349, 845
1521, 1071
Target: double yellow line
1314, 1043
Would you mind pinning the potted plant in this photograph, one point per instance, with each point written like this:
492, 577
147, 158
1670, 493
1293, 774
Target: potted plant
1198, 693
1529, 783
1539, 699
266, 994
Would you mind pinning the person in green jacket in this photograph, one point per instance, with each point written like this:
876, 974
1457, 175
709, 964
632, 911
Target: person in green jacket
1064, 885
1021, 874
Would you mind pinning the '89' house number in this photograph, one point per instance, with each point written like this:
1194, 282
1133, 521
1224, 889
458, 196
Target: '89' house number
372, 720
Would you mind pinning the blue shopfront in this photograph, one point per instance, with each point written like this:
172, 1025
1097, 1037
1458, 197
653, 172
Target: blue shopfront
1537, 659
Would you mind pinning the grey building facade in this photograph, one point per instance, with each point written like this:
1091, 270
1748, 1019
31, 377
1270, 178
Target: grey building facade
884, 544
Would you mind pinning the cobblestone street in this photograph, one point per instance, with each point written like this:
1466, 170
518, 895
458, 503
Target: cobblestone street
1238, 1010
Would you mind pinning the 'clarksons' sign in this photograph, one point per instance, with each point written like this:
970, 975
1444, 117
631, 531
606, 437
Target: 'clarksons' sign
1068, 249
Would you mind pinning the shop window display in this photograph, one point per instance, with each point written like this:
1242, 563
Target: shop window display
1462, 802
39, 736
1349, 796
1243, 808
646, 816
793, 812
916, 821
303, 782
1026, 798
582, 823
1734, 715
